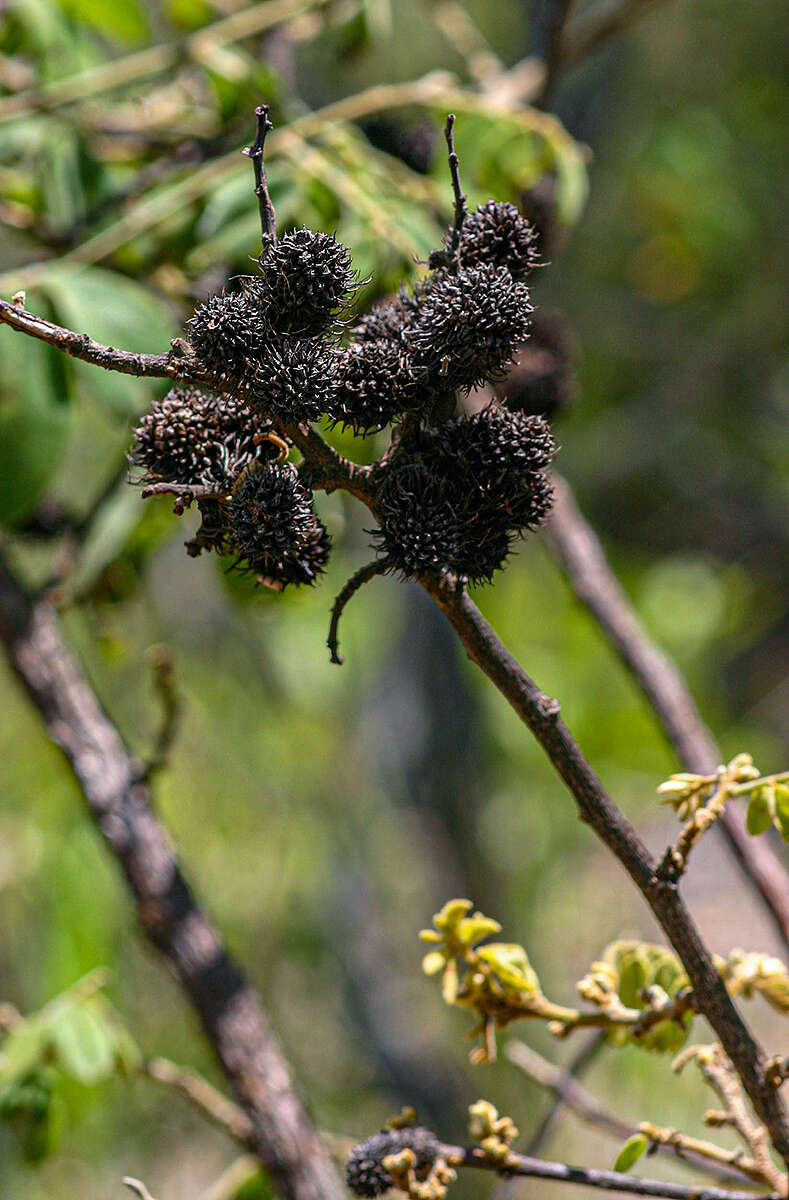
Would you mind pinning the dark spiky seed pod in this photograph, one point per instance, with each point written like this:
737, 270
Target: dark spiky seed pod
387, 320
365, 1173
190, 436
458, 496
307, 278
227, 333
418, 522
295, 380
273, 528
539, 379
375, 385
495, 449
468, 326
212, 534
496, 235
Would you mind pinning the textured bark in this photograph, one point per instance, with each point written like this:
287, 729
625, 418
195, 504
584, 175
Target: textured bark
541, 714
283, 1135
578, 549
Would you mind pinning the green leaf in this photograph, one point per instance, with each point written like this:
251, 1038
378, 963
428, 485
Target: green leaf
630, 1153
451, 914
34, 421
22, 1050
760, 811
781, 797
474, 929
83, 1045
510, 963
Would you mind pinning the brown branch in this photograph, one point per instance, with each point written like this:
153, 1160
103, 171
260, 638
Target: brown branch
79, 345
589, 1109
369, 571
268, 218
580, 553
457, 190
203, 1095
231, 1013
540, 714
609, 1181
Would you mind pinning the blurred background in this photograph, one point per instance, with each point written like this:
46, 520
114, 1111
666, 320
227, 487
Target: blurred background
324, 814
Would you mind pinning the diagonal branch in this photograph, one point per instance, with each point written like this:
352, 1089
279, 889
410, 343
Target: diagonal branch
540, 714
79, 345
609, 1181
578, 549
283, 1135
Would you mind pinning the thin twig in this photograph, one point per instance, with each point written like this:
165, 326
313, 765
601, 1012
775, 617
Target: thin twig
185, 493
457, 190
203, 1095
610, 1181
579, 1064
268, 218
378, 566
79, 345
578, 549
717, 1069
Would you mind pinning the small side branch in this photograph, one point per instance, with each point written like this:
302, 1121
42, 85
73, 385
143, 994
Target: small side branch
185, 493
578, 550
268, 218
609, 1181
378, 567
203, 1095
457, 190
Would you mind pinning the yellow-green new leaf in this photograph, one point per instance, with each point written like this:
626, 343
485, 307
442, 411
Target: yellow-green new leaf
630, 1153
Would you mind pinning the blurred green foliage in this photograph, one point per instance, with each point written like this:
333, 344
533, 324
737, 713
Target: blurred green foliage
324, 814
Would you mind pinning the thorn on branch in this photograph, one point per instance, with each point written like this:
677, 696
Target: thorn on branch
268, 218
357, 580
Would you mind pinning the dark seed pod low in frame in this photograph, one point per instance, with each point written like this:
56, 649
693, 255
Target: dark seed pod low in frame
307, 278
365, 1173
273, 528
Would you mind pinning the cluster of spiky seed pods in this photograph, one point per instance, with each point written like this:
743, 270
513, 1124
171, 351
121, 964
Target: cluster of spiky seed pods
452, 493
